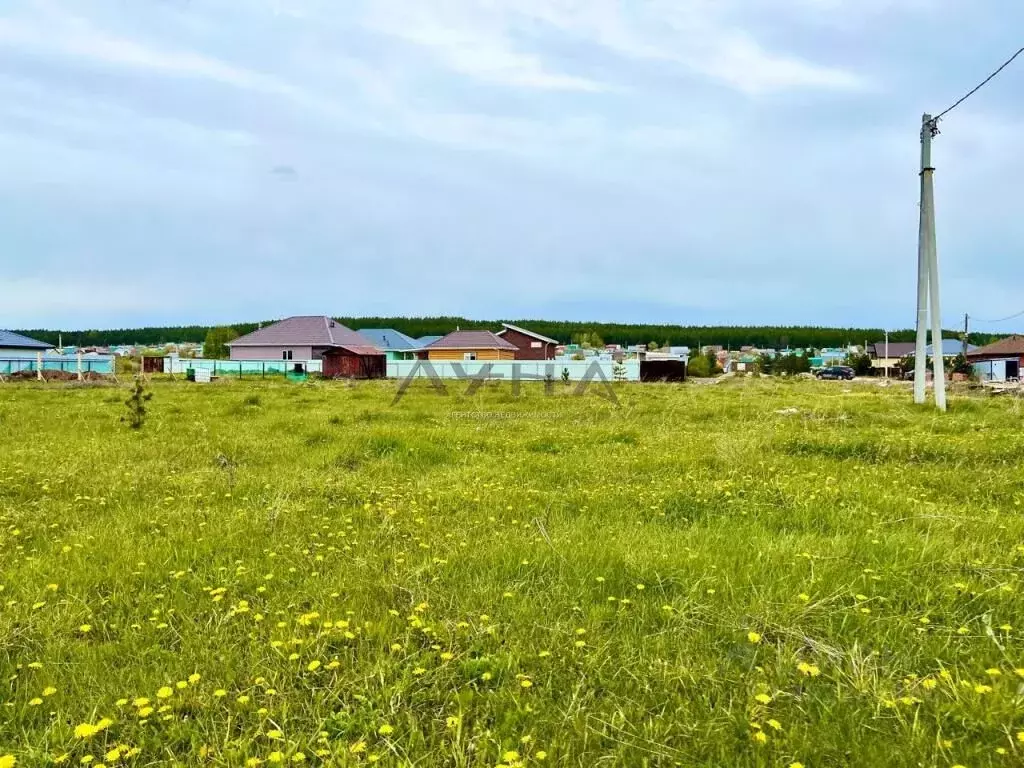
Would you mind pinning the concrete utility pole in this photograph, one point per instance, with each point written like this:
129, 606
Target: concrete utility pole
928, 277
966, 332
886, 354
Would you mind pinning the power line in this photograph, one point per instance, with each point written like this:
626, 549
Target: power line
978, 87
999, 320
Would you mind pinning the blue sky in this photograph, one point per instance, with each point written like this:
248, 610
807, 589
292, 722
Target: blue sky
682, 161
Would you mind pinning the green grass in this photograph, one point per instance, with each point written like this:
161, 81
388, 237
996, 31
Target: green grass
571, 584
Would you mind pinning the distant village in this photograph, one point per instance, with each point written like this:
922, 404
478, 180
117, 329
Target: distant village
317, 344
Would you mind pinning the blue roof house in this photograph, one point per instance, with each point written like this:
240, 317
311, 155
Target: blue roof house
394, 344
15, 345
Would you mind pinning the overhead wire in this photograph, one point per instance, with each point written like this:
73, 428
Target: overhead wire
977, 88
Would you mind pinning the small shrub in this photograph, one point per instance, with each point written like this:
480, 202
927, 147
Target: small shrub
136, 405
565, 376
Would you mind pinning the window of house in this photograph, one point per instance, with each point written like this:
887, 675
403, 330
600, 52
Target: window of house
286, 354
469, 355
535, 344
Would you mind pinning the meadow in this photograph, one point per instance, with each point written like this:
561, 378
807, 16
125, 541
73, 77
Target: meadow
754, 573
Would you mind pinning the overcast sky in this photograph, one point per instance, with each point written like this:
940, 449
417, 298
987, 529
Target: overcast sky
682, 161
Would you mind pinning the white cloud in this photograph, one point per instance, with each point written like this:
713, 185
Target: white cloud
490, 41
473, 44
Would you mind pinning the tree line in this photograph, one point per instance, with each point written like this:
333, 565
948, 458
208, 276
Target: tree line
731, 337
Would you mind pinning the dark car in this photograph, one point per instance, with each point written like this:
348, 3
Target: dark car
836, 372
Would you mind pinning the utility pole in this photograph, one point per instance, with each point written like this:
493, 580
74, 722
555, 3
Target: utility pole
886, 354
928, 277
966, 332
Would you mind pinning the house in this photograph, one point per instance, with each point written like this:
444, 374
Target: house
15, 345
469, 345
303, 338
394, 344
1000, 360
883, 357
529, 345
423, 341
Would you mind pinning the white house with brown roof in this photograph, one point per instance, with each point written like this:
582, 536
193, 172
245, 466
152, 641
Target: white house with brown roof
300, 338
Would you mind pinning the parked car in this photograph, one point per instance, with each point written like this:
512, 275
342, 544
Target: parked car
836, 372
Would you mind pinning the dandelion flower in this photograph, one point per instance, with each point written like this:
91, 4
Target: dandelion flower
796, 765
35, 702
298, 757
165, 692
85, 628
8, 761
220, 693
540, 754
981, 688
775, 725
760, 737
763, 698
49, 690
194, 678
453, 722
510, 757
276, 757
85, 730
993, 672
526, 683
313, 666
753, 637
386, 730
145, 712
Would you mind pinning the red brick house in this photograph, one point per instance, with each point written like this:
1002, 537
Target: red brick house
529, 345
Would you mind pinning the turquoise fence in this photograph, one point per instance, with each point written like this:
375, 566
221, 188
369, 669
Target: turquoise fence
100, 364
240, 368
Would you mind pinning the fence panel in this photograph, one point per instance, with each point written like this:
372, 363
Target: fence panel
510, 369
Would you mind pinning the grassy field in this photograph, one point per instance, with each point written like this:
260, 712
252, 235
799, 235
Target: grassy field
756, 573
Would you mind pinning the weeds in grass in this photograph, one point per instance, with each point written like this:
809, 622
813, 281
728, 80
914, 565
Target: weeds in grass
758, 574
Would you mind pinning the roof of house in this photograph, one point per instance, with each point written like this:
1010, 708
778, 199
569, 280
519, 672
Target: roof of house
950, 348
356, 349
425, 340
13, 340
389, 338
312, 330
510, 327
1011, 346
472, 340
896, 349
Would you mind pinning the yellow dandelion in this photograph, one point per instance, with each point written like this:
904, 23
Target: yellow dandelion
526, 683
220, 693
313, 666
510, 757
298, 757
35, 702
8, 761
194, 678
993, 672
796, 765
386, 730
145, 712
165, 692
775, 725
981, 688
763, 698
753, 637
85, 628
276, 757
760, 737
85, 730
541, 755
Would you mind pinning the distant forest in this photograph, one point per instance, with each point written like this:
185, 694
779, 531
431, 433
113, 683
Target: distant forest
732, 337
